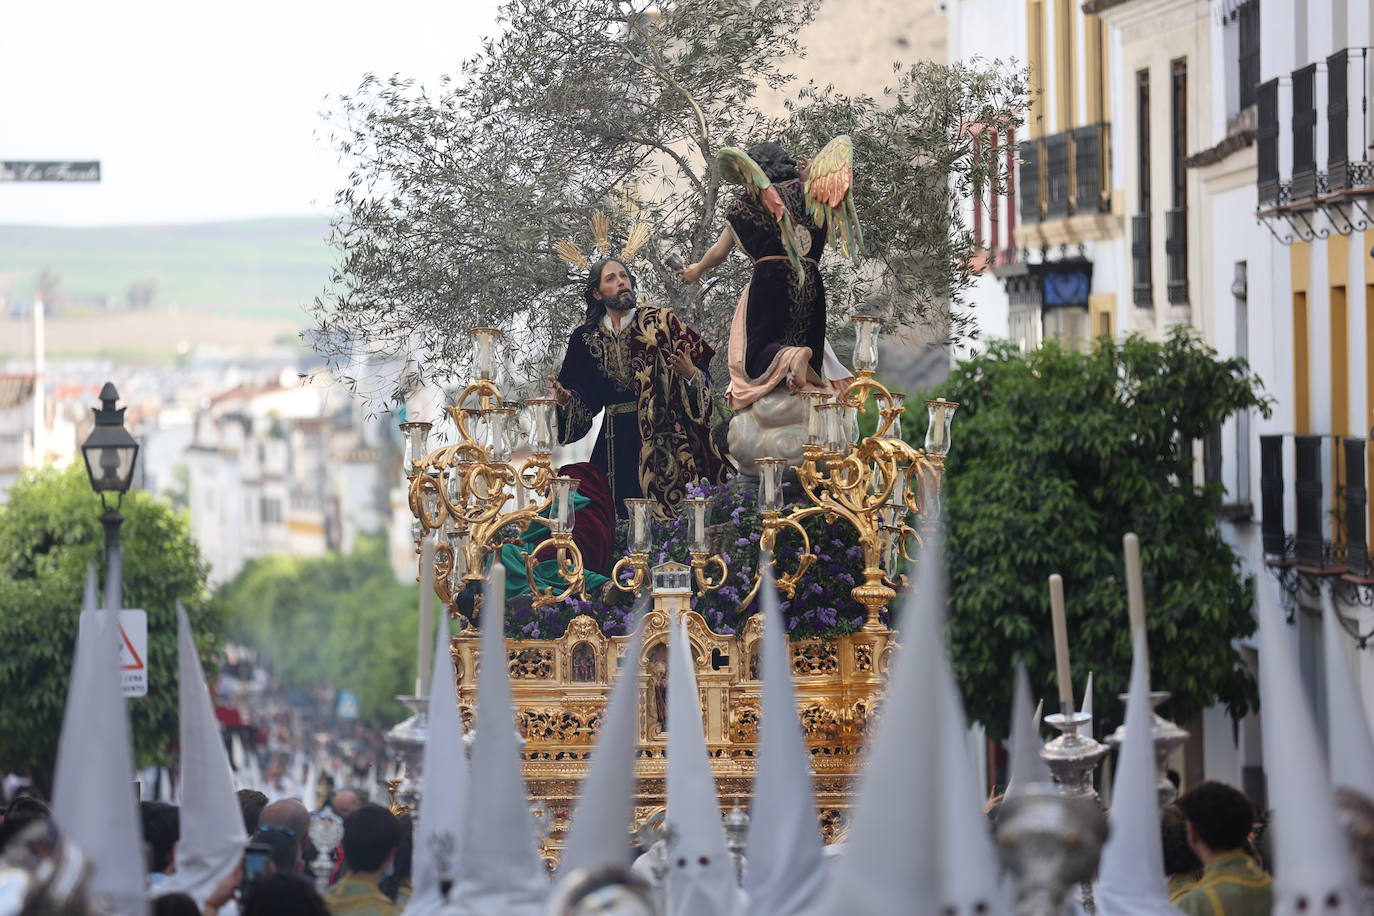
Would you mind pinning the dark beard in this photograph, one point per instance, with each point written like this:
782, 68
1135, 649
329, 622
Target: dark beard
622, 303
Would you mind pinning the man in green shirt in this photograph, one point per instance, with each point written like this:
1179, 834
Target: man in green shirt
1219, 819
369, 843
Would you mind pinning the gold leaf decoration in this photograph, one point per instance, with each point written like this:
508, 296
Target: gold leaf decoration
601, 231
568, 252
639, 235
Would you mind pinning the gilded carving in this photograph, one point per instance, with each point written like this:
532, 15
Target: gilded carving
812, 658
863, 657
531, 663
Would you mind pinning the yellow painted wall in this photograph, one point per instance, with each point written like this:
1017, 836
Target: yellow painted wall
1299, 254
1035, 56
1102, 308
1065, 64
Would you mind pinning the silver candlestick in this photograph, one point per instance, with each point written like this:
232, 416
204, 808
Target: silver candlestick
736, 839
1072, 756
1167, 737
407, 742
325, 835
1049, 842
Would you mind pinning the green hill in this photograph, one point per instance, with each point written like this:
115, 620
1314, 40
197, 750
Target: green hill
269, 268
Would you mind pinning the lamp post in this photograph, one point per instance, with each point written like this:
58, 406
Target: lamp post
110, 453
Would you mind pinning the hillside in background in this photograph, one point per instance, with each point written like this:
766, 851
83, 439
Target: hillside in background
268, 269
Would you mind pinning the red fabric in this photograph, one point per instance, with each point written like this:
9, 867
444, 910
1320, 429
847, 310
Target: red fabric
228, 717
594, 528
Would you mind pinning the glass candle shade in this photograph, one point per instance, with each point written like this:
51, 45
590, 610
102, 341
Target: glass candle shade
814, 419
697, 508
898, 401
458, 540
454, 489
640, 536
937, 434
891, 516
834, 427
564, 488
891, 539
484, 342
499, 432
416, 446
540, 415
429, 499
866, 342
771, 471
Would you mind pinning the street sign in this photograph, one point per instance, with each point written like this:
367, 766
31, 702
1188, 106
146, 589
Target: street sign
133, 652
49, 170
347, 707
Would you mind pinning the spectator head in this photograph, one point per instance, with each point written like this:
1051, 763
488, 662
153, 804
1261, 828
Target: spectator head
401, 862
251, 803
369, 839
287, 816
22, 812
161, 831
345, 803
175, 905
282, 895
285, 852
1179, 857
1219, 818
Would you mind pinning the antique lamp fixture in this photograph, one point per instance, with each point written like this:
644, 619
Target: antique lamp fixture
462, 494
874, 484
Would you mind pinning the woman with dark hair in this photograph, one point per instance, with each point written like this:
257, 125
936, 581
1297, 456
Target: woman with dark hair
781, 222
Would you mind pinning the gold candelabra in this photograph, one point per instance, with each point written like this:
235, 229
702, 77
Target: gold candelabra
874, 484
459, 493
641, 542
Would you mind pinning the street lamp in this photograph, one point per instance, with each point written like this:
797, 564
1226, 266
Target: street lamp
110, 453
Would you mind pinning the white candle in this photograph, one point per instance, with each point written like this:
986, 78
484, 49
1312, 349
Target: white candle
1061, 643
424, 661
1135, 594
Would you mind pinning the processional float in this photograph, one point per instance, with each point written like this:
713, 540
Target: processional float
464, 496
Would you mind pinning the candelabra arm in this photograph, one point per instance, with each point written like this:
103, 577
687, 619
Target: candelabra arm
639, 562
569, 561
700, 563
772, 524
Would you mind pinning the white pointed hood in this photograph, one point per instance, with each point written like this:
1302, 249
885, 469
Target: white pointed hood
1026, 764
600, 832
1131, 875
1312, 860
786, 870
500, 871
212, 832
440, 827
701, 874
93, 798
1350, 747
891, 860
970, 867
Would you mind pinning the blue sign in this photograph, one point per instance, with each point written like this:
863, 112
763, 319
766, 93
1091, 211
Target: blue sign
347, 705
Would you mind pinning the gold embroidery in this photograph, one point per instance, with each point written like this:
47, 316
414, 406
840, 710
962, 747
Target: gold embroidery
612, 354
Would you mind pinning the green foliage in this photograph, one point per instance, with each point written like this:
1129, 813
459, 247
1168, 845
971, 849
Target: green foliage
49, 531
1058, 454
335, 620
459, 193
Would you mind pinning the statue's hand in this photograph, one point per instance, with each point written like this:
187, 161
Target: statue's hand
690, 275
682, 364
558, 392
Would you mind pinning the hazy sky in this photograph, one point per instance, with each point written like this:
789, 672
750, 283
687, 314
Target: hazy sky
202, 111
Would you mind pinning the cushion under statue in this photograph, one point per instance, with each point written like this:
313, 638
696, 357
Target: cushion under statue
774, 426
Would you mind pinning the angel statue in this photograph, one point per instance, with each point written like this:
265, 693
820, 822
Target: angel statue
781, 222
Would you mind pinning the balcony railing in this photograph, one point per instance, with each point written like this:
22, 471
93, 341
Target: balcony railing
1330, 533
1176, 254
1267, 142
1066, 174
1347, 170
1305, 133
1141, 286
1032, 158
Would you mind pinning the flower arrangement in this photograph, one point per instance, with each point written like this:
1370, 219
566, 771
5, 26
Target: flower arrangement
822, 606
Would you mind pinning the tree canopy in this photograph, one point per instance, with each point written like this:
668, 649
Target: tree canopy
334, 620
1056, 455
49, 531
459, 193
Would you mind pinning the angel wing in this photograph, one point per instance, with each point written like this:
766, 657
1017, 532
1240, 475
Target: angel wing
736, 167
830, 195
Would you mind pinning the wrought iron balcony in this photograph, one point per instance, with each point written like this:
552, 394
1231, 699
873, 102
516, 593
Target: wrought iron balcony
1330, 535
1305, 133
1267, 140
1065, 174
1141, 286
1176, 254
